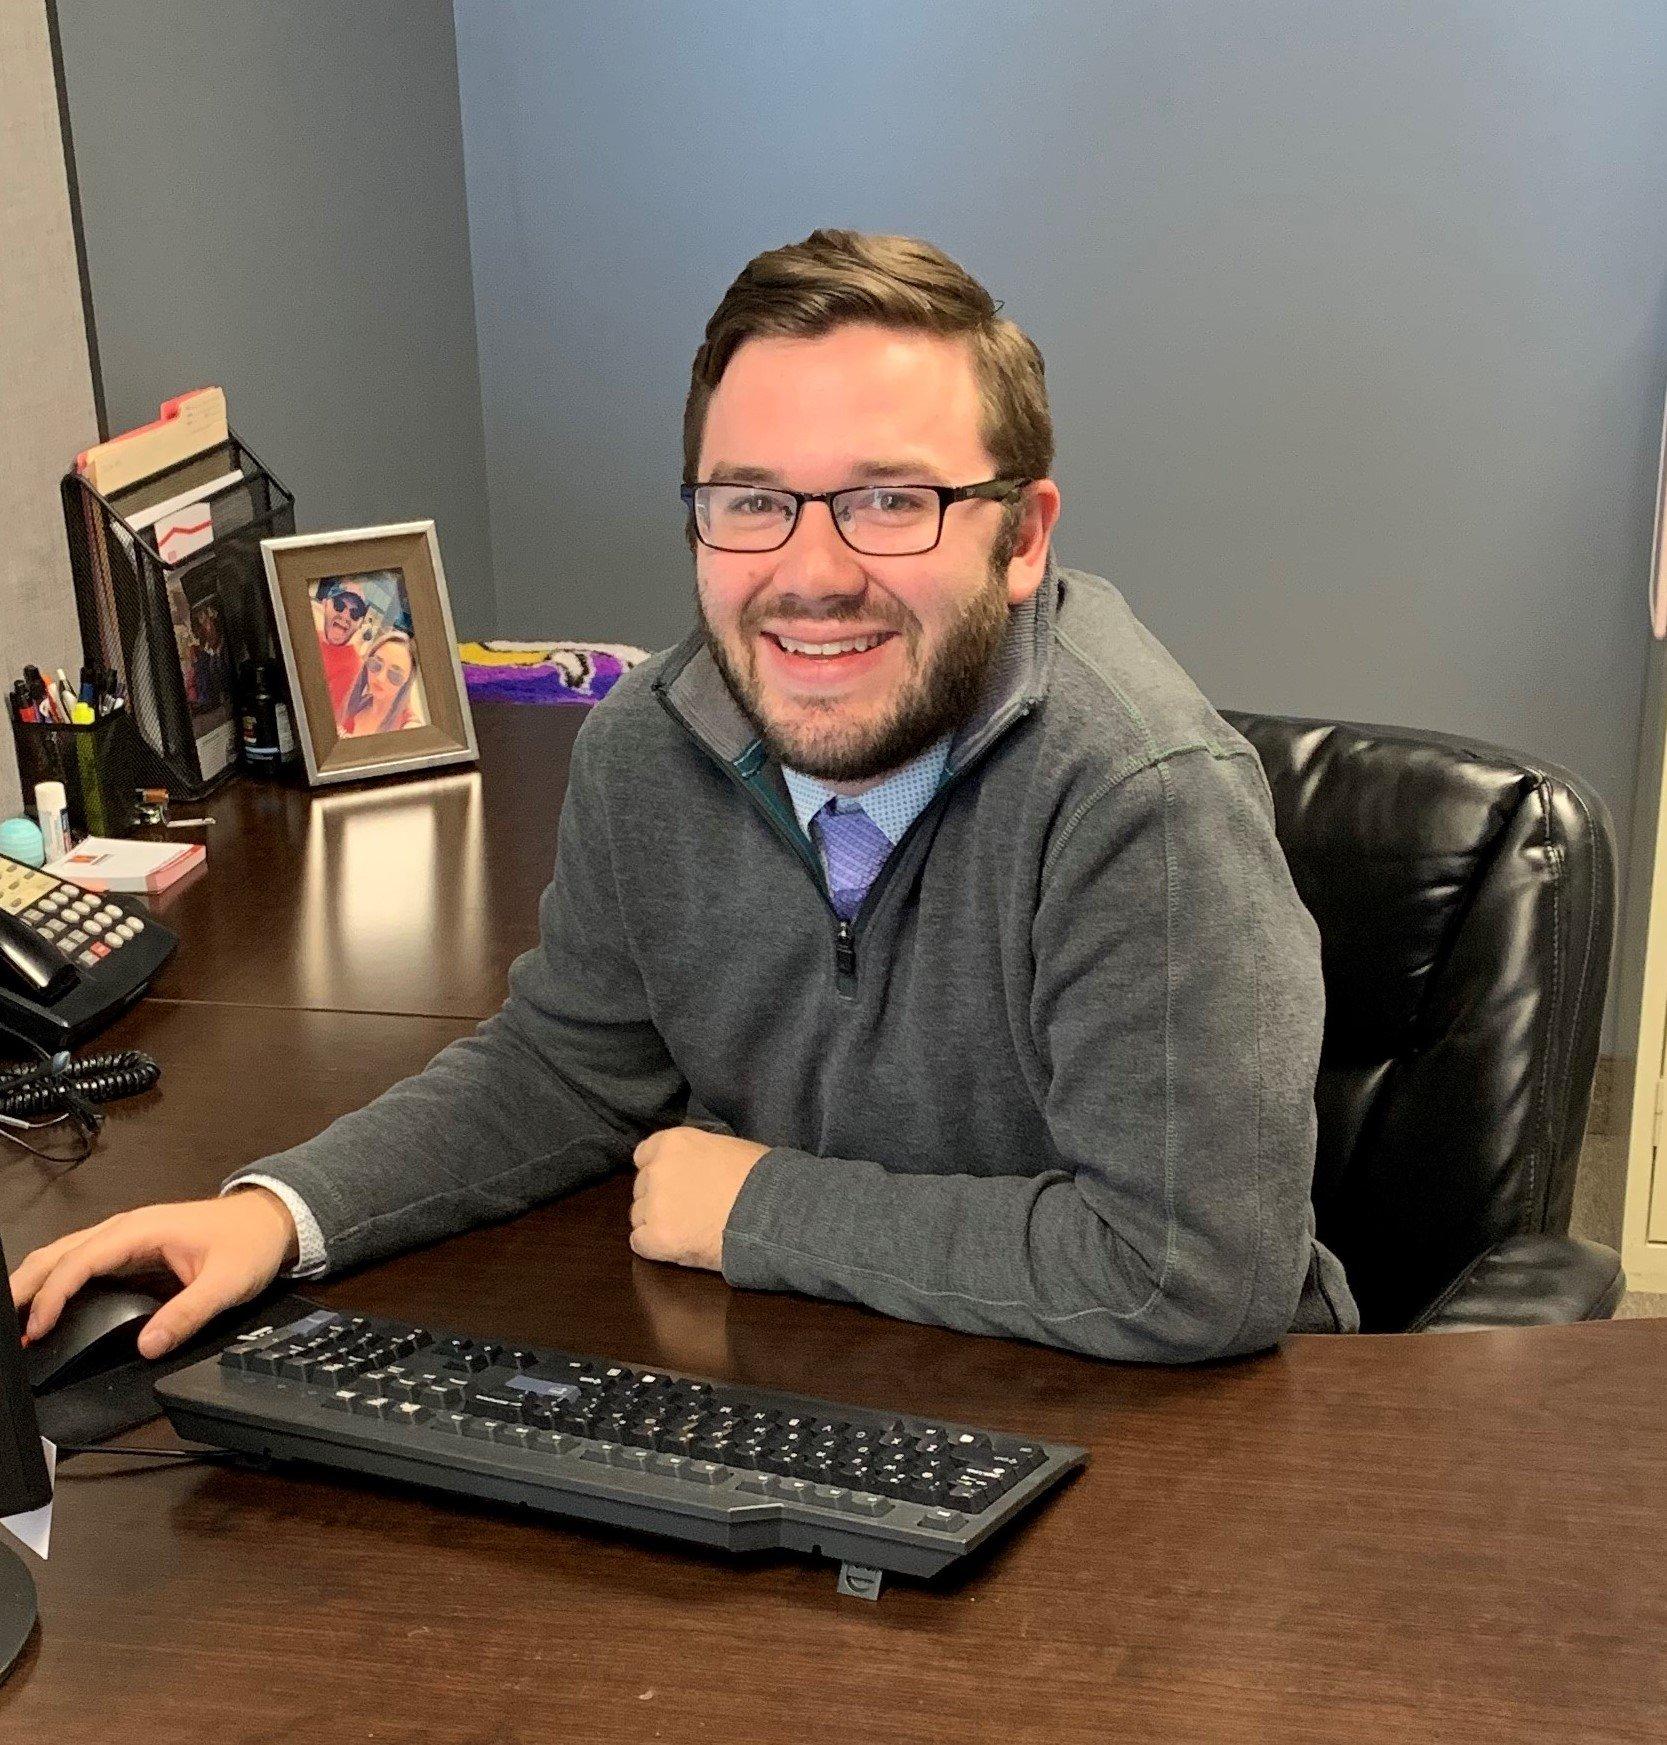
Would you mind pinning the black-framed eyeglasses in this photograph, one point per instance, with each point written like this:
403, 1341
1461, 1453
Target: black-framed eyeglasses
876, 520
350, 603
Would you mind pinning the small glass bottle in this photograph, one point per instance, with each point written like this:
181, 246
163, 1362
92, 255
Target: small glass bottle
268, 733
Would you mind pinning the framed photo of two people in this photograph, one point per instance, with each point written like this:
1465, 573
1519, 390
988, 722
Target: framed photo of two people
370, 651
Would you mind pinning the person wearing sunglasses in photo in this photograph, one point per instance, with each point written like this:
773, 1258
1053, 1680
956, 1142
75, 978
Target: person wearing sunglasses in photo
381, 699
344, 611
919, 935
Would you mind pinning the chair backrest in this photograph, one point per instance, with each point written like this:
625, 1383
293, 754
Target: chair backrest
1465, 897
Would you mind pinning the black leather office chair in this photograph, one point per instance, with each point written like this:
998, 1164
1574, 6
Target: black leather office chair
1465, 898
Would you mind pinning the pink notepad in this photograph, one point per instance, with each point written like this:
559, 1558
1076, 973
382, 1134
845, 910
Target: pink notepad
106, 863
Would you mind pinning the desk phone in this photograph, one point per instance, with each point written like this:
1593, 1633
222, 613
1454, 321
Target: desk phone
71, 960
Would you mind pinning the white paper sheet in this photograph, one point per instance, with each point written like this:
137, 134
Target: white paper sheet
34, 1528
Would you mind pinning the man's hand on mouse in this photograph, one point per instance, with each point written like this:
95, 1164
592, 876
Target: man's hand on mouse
223, 1252
687, 1180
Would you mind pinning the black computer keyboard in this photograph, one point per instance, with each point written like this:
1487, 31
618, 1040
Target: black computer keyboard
624, 1444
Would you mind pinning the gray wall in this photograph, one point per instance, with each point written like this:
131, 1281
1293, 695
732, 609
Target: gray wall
273, 201
1353, 314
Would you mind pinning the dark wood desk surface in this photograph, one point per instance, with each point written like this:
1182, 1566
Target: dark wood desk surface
1401, 1539
399, 896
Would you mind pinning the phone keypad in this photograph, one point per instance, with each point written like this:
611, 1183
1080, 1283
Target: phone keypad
82, 924
22, 887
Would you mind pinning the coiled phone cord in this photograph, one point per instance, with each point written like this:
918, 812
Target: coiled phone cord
65, 1089
100, 1078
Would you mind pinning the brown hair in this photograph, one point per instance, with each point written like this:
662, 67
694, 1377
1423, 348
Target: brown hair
836, 277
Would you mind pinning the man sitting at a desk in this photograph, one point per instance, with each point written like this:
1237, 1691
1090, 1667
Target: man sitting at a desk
918, 929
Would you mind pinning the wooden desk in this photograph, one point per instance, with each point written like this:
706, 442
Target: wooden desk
1394, 1539
410, 896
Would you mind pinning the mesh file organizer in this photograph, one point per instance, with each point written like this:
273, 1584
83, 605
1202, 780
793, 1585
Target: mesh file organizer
177, 619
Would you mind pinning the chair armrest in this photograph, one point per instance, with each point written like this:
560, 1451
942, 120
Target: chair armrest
1529, 1281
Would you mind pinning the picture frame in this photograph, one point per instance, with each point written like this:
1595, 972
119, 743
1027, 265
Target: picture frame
370, 651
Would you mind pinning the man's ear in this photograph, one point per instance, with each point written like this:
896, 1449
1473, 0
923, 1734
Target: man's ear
1030, 554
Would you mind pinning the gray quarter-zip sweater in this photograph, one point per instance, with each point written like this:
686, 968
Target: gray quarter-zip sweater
1055, 1080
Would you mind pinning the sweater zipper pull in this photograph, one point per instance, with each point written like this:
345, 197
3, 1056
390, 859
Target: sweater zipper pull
845, 950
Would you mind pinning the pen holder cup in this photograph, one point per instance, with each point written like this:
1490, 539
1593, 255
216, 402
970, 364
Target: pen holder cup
100, 765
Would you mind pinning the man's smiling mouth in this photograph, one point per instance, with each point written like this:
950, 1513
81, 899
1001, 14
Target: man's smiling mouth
829, 648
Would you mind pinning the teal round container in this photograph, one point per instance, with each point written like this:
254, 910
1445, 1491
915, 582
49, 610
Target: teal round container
20, 838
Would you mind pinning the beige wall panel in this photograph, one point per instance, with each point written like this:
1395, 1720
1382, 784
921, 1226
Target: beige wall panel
46, 392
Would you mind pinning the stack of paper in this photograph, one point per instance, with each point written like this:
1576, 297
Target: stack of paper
108, 863
187, 425
159, 481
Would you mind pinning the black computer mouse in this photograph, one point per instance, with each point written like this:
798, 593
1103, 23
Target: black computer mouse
98, 1330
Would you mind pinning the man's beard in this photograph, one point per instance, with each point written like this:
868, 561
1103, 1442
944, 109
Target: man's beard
940, 702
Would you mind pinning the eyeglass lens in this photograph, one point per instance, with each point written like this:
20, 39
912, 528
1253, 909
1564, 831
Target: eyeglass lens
882, 520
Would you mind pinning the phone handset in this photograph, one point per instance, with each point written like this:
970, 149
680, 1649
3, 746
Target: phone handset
31, 965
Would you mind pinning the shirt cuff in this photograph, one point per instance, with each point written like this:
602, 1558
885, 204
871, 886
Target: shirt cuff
313, 1259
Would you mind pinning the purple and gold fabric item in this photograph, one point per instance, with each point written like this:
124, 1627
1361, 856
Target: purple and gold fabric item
545, 672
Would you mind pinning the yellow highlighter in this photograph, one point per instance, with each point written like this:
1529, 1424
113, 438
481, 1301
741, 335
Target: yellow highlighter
92, 794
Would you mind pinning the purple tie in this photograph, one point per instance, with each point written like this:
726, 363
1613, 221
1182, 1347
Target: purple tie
856, 848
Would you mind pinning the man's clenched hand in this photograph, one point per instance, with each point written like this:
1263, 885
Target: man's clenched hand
687, 1180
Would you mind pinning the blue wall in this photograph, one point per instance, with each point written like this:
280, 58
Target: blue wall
272, 199
1353, 314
